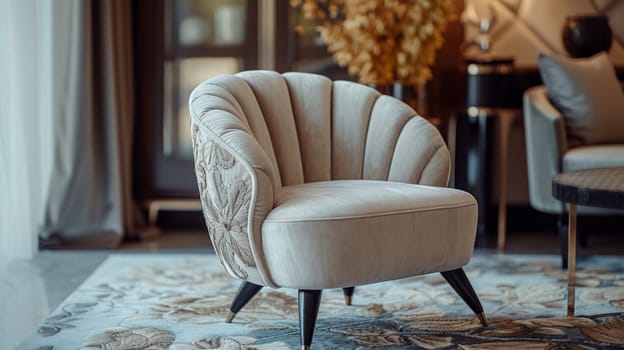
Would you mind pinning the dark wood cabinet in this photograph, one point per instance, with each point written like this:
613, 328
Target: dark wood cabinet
179, 44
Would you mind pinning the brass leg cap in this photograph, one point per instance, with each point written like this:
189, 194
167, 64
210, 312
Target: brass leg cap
348, 299
305, 347
230, 317
483, 319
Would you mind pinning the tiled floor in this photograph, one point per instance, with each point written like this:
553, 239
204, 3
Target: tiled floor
30, 290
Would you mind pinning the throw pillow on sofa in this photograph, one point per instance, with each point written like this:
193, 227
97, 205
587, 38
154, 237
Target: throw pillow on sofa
588, 93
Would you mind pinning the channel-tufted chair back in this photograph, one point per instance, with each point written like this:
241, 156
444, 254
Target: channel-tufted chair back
262, 130
311, 184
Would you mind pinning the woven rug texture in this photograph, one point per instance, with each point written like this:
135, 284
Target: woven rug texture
179, 302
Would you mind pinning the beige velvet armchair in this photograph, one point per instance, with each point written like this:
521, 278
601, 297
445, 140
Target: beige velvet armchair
311, 184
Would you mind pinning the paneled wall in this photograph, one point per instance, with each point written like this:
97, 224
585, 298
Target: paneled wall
523, 28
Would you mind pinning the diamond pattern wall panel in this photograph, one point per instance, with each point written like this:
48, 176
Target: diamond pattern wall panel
523, 28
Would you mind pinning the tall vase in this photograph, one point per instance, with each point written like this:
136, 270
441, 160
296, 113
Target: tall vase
584, 36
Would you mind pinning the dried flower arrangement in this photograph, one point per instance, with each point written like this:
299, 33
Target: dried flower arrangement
382, 41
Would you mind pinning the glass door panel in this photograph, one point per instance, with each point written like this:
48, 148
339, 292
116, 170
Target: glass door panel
208, 22
182, 76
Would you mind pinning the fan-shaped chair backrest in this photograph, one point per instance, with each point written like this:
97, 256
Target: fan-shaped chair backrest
257, 131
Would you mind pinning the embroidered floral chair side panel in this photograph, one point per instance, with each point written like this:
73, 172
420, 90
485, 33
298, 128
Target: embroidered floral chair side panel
225, 189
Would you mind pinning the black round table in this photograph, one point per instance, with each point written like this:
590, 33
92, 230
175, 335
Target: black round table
602, 187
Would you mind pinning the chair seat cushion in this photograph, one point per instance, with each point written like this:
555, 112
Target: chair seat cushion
360, 231
595, 156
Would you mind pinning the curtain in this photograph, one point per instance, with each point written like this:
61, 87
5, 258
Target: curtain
67, 124
66, 127
34, 57
26, 105
90, 201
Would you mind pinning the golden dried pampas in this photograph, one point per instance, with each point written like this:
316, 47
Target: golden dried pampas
382, 42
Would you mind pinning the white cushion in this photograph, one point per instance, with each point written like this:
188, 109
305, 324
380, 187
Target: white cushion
351, 232
587, 92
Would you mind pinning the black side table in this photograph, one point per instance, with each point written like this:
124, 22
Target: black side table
603, 188
489, 98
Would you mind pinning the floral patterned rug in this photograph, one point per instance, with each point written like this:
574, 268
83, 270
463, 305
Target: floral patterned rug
179, 302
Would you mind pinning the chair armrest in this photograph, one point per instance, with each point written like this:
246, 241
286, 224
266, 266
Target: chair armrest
235, 180
545, 144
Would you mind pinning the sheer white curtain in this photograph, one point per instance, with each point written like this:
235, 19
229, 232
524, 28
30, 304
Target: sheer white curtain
66, 126
42, 104
71, 79
67, 109
27, 104
35, 56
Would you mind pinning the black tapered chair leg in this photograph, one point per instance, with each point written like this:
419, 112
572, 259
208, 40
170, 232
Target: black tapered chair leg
247, 291
309, 301
348, 294
460, 283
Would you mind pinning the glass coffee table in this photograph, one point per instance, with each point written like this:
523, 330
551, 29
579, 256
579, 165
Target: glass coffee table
602, 187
